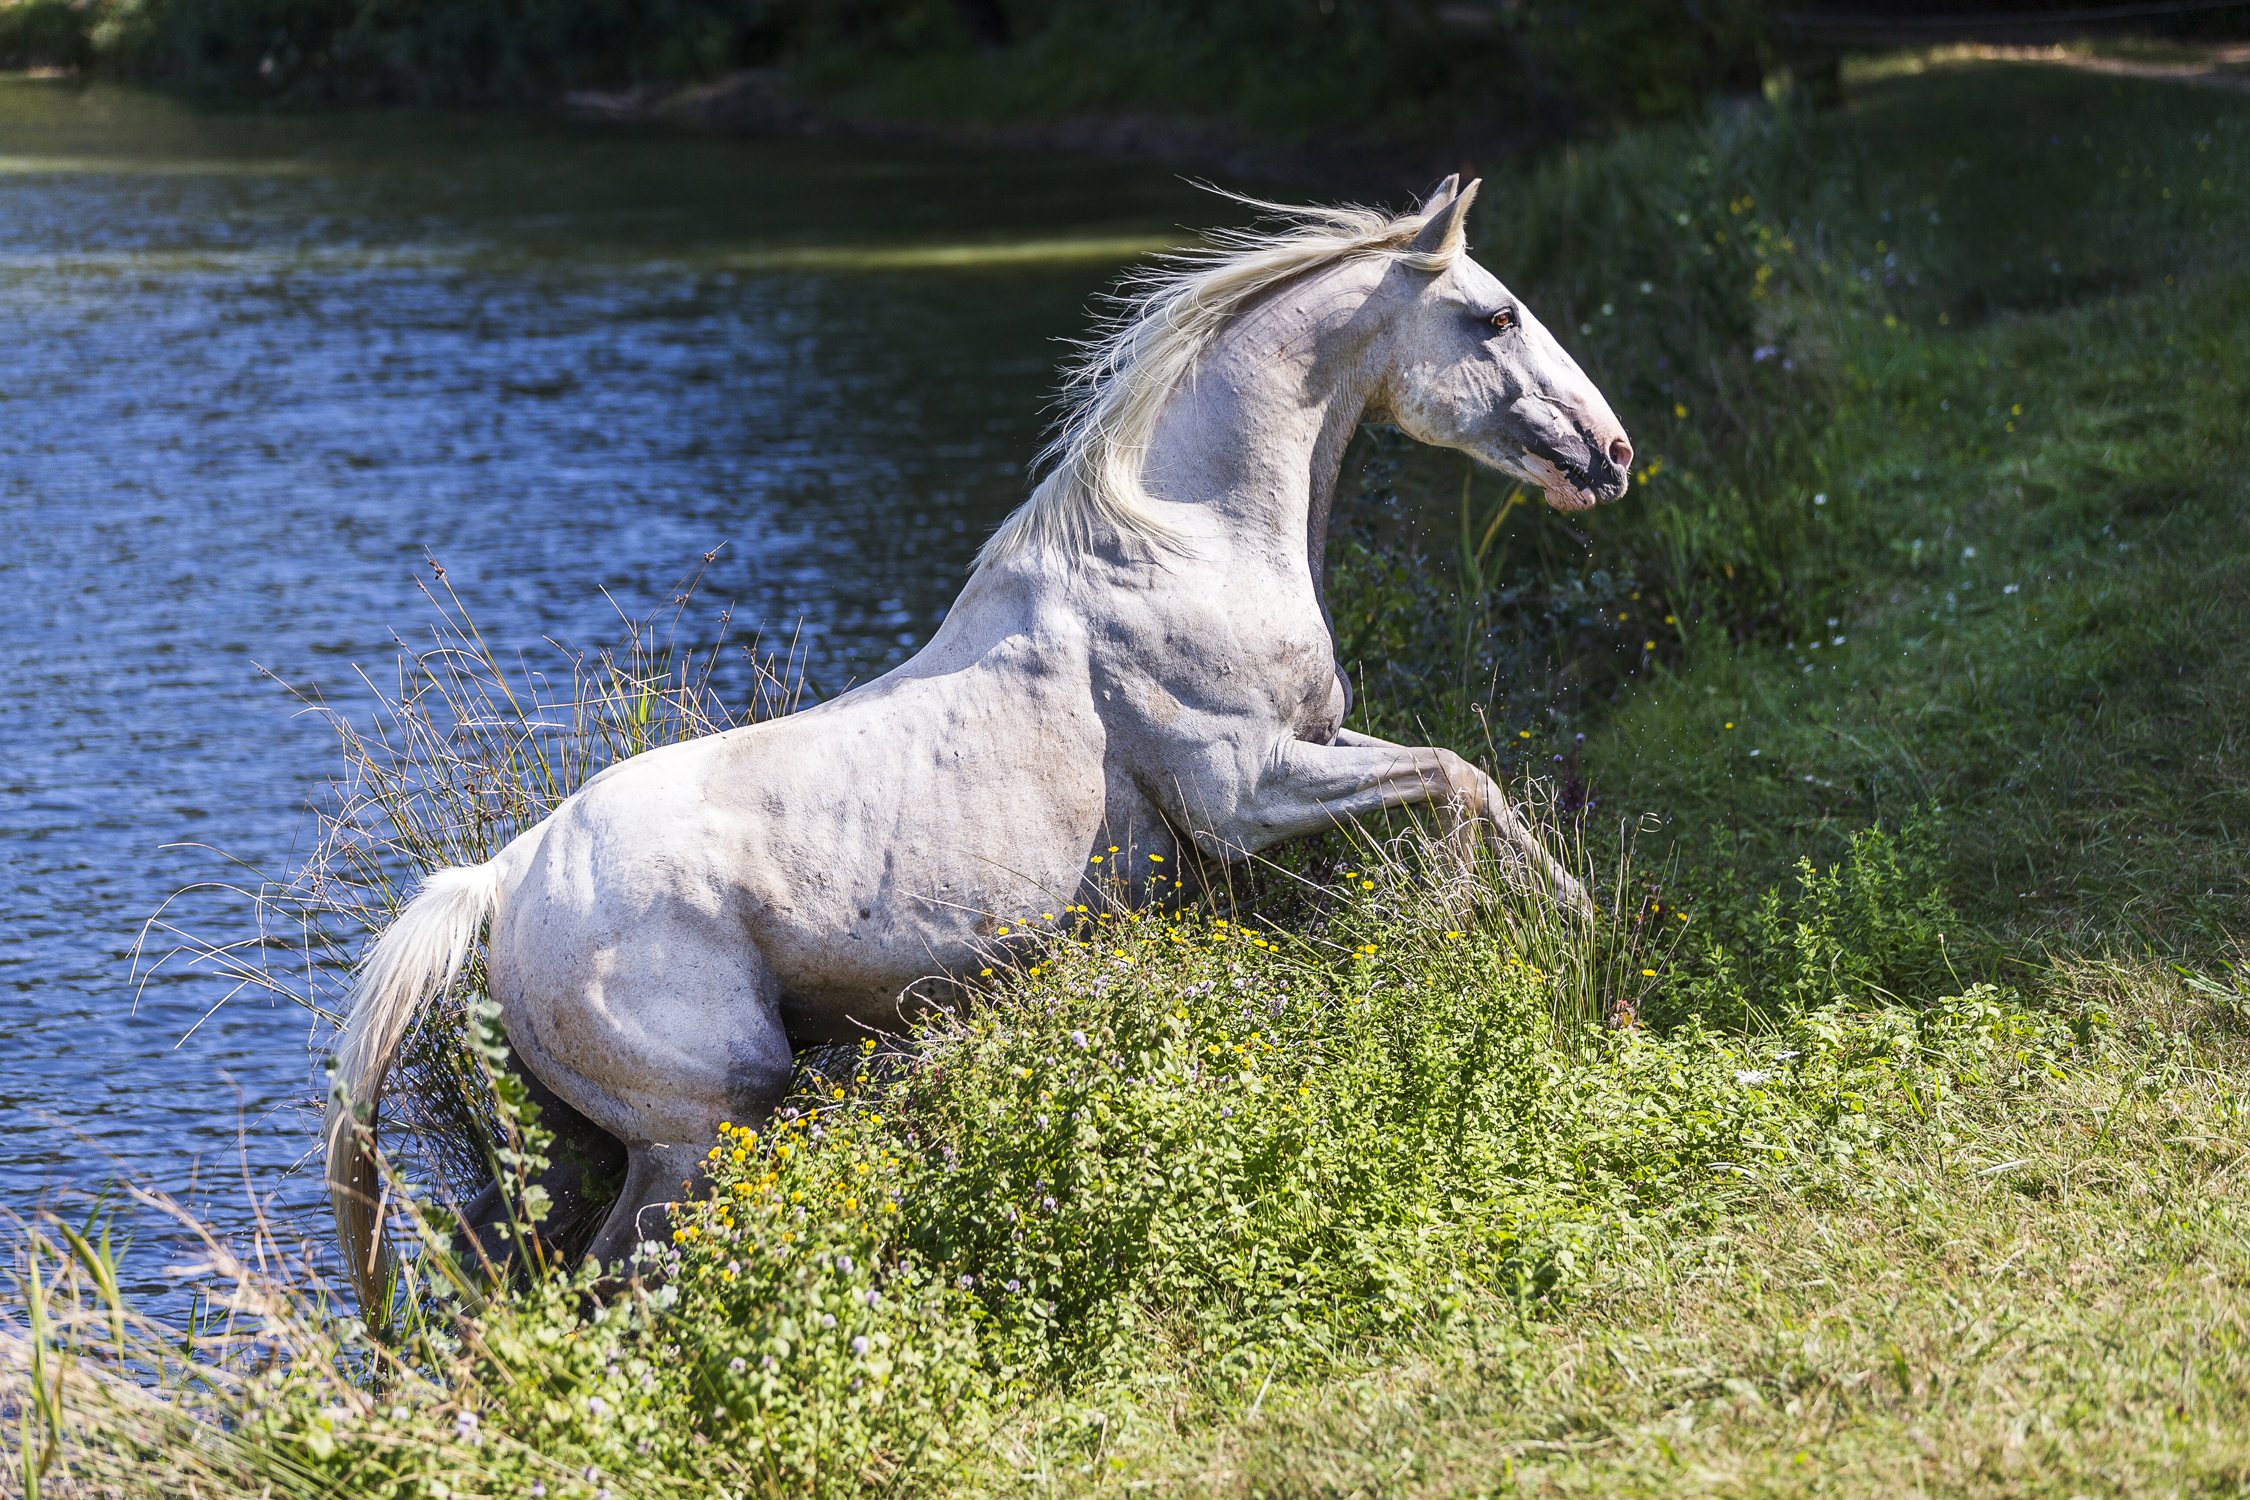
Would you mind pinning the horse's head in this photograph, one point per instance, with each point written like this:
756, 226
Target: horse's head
1472, 369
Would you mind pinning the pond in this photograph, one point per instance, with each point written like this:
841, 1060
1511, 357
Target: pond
264, 370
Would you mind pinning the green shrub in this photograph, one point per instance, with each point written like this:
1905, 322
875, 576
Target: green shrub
44, 34
1282, 68
1872, 927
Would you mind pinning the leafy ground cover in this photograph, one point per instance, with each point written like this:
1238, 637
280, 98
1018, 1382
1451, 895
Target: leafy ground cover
1905, 727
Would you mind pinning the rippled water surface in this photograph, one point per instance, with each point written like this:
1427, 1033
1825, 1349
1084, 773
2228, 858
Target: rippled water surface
259, 370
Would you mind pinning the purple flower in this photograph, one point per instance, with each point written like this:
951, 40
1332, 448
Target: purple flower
859, 1345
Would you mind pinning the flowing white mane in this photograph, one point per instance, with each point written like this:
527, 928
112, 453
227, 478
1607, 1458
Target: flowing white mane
1117, 385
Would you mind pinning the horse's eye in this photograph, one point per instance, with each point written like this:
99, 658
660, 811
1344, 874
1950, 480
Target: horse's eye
1504, 318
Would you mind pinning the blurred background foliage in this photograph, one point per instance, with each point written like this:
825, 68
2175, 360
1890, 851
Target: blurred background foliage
1284, 68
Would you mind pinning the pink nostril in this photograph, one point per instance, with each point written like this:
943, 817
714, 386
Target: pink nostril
1621, 452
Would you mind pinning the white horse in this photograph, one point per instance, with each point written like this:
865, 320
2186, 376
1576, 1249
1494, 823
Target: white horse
1141, 659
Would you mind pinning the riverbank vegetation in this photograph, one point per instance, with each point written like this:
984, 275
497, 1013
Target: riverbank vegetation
1897, 713
1276, 69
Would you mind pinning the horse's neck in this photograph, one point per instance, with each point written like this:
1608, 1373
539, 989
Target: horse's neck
1255, 439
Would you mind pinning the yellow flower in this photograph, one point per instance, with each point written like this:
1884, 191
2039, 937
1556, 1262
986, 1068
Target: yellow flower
1648, 645
1523, 734
1453, 934
1097, 859
1678, 410
1156, 858
1651, 973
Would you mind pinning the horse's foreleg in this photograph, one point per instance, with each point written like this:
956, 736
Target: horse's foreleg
1481, 807
1313, 788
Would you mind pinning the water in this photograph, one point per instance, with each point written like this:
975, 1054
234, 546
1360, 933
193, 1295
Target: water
260, 370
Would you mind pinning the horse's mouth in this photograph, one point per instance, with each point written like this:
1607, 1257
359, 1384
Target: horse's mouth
1570, 499
1561, 489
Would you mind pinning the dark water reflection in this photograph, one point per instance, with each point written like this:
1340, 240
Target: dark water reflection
257, 369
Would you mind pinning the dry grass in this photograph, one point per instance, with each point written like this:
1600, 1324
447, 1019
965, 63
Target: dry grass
463, 748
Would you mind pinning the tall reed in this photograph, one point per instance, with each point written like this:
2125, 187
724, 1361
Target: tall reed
461, 748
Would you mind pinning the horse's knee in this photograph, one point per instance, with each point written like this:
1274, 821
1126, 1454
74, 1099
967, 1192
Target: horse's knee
1464, 785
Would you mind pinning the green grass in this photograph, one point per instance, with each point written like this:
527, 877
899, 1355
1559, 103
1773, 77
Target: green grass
1924, 1170
2032, 1288
2040, 613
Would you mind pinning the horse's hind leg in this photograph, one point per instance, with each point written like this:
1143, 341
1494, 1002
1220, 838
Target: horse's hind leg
585, 1165
656, 1177
656, 1035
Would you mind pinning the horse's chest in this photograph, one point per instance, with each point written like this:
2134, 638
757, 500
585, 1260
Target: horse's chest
1286, 684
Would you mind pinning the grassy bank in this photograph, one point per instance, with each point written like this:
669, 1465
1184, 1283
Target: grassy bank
1944, 407
1924, 1168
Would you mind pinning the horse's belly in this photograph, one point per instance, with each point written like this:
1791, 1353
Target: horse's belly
928, 876
867, 850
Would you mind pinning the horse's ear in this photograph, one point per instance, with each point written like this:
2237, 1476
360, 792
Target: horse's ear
1447, 228
1440, 193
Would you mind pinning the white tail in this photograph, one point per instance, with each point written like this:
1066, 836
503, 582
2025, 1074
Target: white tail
417, 958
